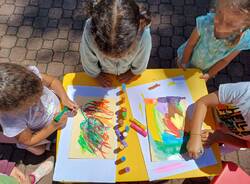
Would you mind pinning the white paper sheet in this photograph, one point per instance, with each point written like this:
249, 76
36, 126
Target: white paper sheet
169, 87
83, 170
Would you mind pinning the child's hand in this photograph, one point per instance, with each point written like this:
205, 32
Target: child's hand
61, 124
104, 80
70, 104
126, 77
194, 146
205, 76
18, 175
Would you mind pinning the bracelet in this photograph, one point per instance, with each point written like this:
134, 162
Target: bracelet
194, 134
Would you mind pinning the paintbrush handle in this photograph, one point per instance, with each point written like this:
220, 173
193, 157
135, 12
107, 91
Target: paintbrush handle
59, 116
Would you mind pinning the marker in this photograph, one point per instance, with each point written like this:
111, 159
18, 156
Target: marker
139, 130
120, 137
124, 115
125, 134
154, 86
139, 124
125, 170
59, 116
127, 128
119, 161
124, 87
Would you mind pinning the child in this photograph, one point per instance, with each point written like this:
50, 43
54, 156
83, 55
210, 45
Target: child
116, 40
218, 38
9, 174
28, 106
232, 111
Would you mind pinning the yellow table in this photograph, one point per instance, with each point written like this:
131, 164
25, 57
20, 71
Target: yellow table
133, 151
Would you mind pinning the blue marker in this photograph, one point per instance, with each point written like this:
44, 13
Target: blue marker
119, 161
124, 87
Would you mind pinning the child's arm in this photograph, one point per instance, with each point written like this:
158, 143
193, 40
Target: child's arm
56, 86
30, 138
192, 41
220, 65
194, 144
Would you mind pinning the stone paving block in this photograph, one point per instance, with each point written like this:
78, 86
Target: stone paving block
75, 35
28, 21
63, 34
177, 41
22, 2
31, 54
7, 9
71, 58
19, 10
165, 41
21, 42
37, 33
57, 3
34, 2
154, 62
166, 9
178, 20
178, 10
53, 23
40, 22
18, 54
67, 13
65, 24
55, 13
15, 20
44, 55
4, 60
30, 11
155, 40
47, 44
69, 4
165, 30
74, 47
178, 2
77, 24
25, 31
8, 41
165, 19
55, 69
50, 33
34, 43
58, 56
45, 3
154, 8
156, 19
60, 45
68, 69
4, 52
43, 12
165, 52
3, 29
4, 19
12, 30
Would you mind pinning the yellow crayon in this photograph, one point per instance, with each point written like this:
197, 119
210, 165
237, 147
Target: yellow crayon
139, 124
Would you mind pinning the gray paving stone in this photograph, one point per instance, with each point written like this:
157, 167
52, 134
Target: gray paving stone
74, 47
7, 9
8, 41
58, 56
155, 40
25, 31
165, 52
40, 22
165, 30
34, 43
44, 55
37, 33
60, 45
18, 54
71, 58
55, 13
4, 19
3, 29
30, 11
34, 2
58, 3
15, 20
11, 30
28, 21
21, 42
178, 2
4, 52
19, 10
63, 34
65, 24
178, 20
50, 33
69, 4
45, 3
31, 54
53, 23
55, 69
43, 12
75, 35
22, 2
166, 9
47, 44
177, 41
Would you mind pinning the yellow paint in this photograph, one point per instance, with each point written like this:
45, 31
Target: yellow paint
171, 83
133, 152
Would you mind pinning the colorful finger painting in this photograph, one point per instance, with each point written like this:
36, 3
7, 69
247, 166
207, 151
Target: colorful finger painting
92, 133
166, 131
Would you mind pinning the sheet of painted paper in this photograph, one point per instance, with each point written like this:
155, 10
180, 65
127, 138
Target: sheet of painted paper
92, 133
85, 169
165, 126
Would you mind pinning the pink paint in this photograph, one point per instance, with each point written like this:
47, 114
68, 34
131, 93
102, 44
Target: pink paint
138, 129
169, 167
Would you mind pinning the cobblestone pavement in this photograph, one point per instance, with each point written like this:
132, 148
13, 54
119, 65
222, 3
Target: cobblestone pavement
47, 33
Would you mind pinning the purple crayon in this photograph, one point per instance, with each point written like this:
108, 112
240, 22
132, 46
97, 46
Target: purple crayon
125, 170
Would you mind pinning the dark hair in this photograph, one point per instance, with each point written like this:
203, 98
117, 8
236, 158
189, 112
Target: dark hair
116, 24
17, 85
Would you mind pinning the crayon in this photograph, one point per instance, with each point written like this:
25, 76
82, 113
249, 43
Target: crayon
138, 129
125, 170
127, 128
124, 87
120, 137
154, 86
125, 134
139, 124
59, 116
124, 115
119, 161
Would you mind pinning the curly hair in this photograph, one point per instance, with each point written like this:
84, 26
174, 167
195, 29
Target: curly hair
17, 86
116, 25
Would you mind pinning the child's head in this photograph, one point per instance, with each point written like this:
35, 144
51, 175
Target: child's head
232, 18
117, 25
19, 87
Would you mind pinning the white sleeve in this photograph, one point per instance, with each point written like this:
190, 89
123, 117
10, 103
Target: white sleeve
236, 93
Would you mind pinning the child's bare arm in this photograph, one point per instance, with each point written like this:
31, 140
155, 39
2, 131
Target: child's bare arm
192, 41
56, 86
30, 138
222, 64
194, 144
